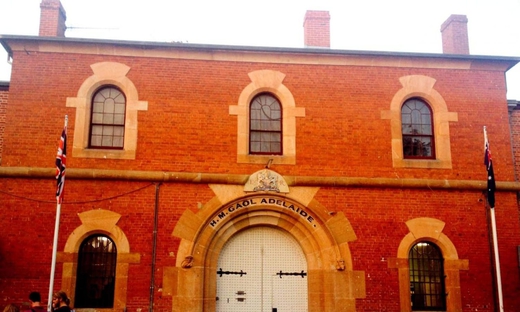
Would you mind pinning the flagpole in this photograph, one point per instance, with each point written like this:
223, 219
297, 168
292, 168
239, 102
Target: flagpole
495, 242
497, 260
56, 230
54, 251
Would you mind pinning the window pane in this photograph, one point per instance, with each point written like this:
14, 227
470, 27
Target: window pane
276, 114
108, 131
97, 107
265, 147
95, 140
97, 118
108, 119
118, 141
120, 99
416, 117
406, 120
266, 125
274, 137
119, 108
426, 129
119, 131
106, 141
119, 119
255, 147
104, 93
109, 106
417, 146
255, 114
255, 124
276, 147
97, 130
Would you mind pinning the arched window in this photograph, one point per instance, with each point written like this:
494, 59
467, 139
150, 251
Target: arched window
427, 286
107, 122
95, 279
417, 129
265, 122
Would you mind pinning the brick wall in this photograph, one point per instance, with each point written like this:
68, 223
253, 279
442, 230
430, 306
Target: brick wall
199, 98
188, 128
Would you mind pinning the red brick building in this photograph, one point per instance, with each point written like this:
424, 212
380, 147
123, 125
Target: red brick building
225, 178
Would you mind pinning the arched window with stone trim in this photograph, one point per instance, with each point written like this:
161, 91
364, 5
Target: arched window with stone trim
267, 84
426, 259
109, 130
432, 141
96, 273
265, 122
427, 286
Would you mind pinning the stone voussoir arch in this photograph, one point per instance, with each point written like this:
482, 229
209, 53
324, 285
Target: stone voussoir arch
429, 229
98, 221
323, 237
422, 87
106, 74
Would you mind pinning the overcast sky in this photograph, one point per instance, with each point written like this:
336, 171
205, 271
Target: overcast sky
373, 25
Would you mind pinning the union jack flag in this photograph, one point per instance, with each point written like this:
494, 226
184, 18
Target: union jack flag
61, 160
491, 185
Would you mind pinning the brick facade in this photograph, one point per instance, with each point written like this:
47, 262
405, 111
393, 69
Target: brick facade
187, 168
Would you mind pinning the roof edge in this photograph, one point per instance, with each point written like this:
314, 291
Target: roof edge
4, 40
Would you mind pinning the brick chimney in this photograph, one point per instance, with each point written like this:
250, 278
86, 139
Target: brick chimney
455, 35
52, 19
316, 27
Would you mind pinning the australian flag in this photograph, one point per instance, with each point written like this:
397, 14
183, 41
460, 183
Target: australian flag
61, 160
491, 186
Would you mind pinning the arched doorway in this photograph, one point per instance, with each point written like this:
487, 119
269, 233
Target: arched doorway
321, 235
262, 269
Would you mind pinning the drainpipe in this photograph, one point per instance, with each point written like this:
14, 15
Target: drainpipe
154, 246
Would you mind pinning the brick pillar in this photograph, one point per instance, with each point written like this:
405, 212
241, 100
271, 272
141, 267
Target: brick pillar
455, 35
52, 19
316, 27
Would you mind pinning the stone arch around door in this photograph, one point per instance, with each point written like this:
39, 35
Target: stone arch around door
323, 236
98, 221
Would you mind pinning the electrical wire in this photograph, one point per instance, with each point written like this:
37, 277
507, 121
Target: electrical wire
77, 202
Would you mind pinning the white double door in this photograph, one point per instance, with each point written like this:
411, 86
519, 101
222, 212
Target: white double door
262, 269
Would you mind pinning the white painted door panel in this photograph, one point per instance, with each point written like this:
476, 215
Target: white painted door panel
262, 270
